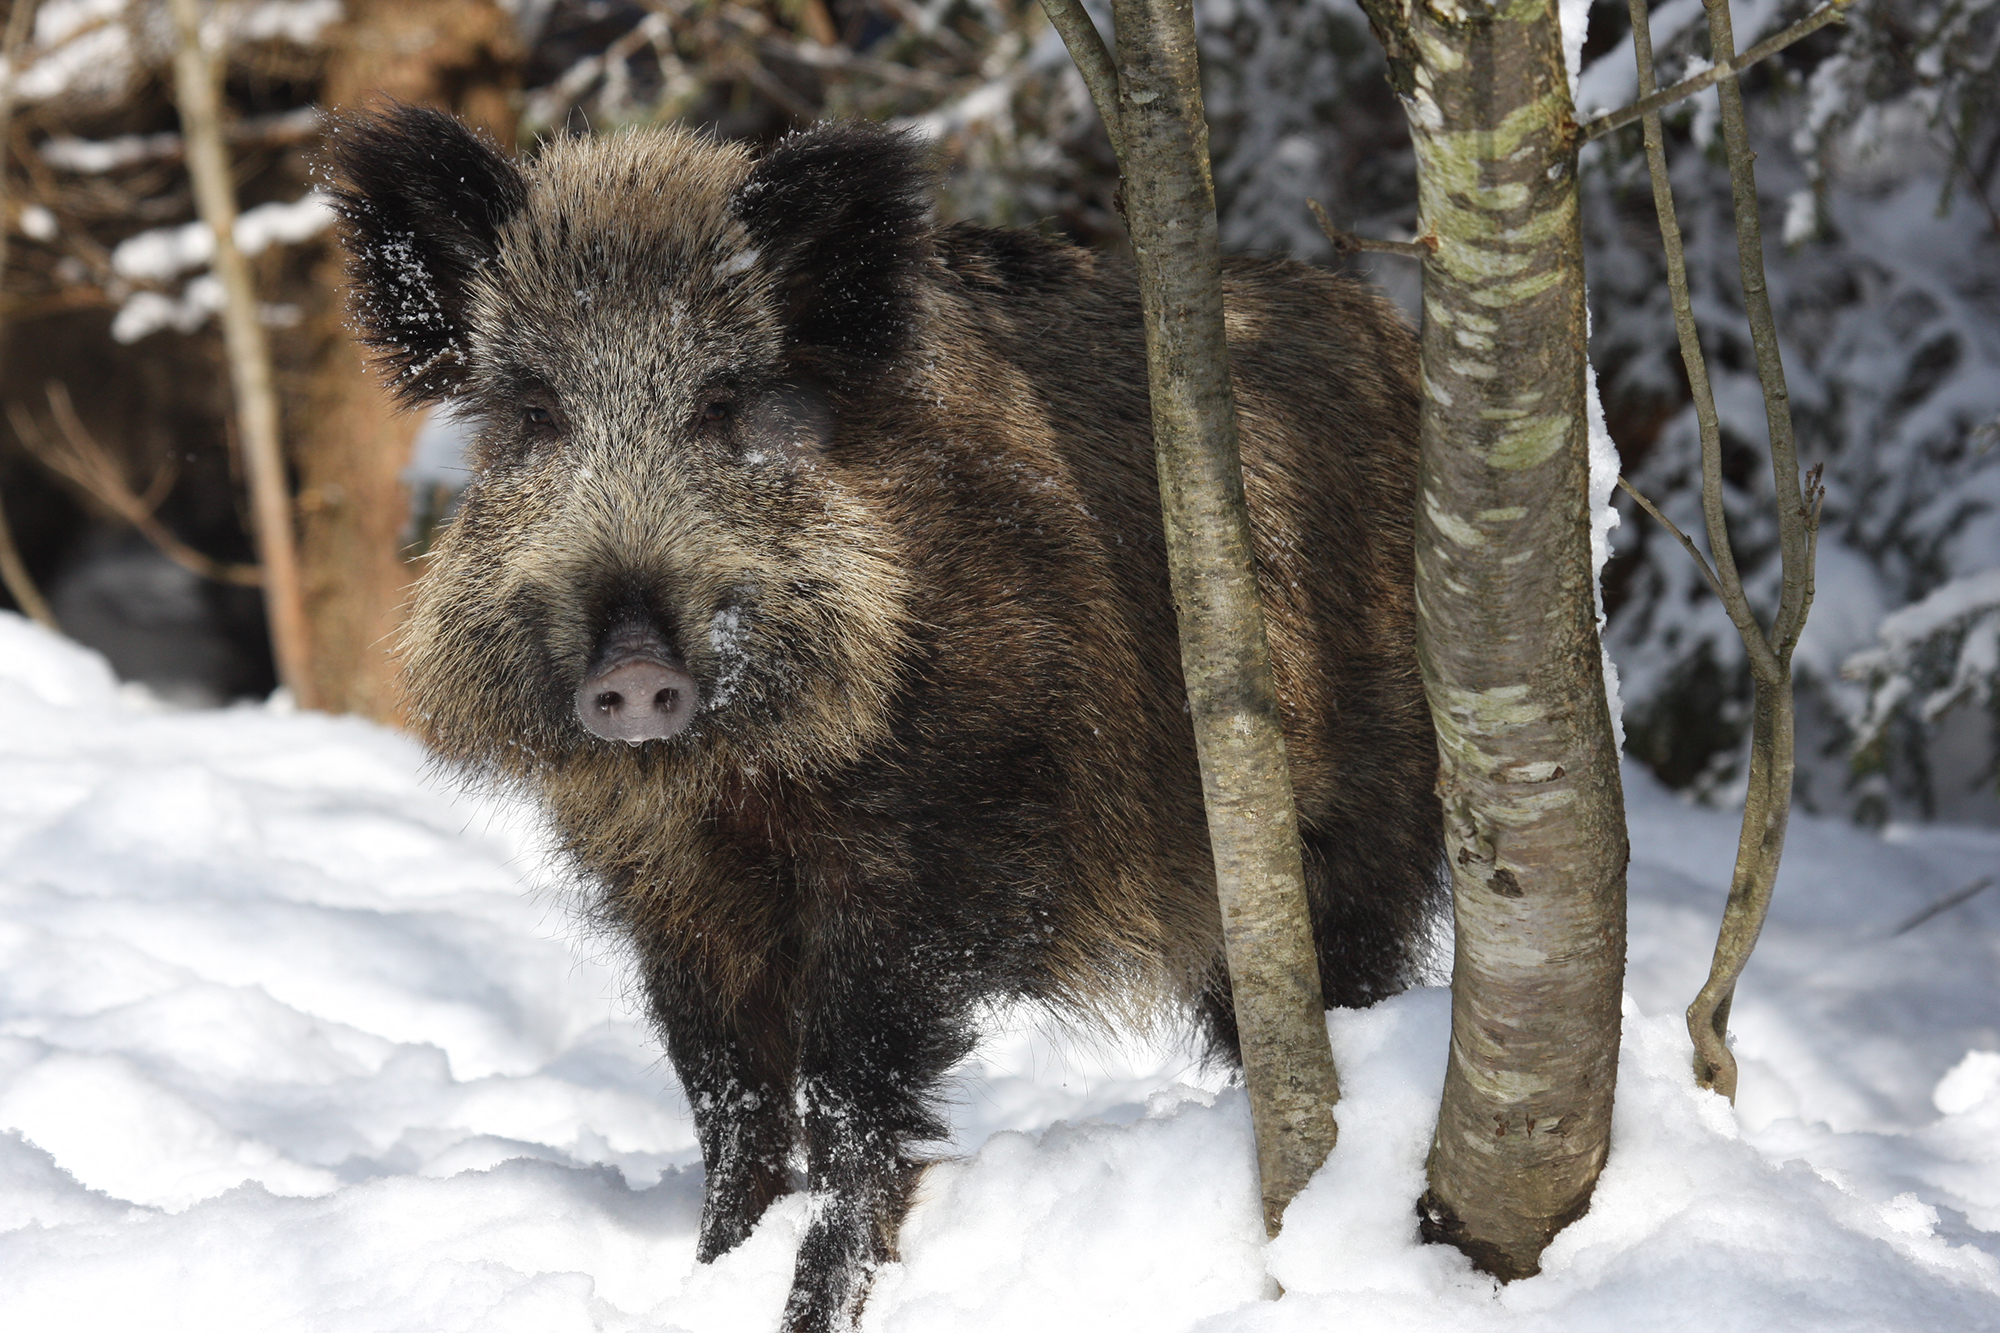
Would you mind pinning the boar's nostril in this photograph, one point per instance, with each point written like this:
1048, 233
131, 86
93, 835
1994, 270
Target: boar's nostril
637, 700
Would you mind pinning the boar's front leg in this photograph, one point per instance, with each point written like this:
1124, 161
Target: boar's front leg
733, 1067
876, 1043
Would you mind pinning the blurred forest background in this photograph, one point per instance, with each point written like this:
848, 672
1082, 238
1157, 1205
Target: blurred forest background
1879, 143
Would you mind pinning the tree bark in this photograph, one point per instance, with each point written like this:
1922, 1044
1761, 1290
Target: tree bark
1507, 634
1162, 139
198, 93
353, 443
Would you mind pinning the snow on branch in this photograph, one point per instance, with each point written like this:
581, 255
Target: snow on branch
1945, 648
94, 49
164, 253
1835, 12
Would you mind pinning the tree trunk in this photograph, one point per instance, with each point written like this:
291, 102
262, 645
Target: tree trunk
198, 94
1162, 139
352, 443
1507, 632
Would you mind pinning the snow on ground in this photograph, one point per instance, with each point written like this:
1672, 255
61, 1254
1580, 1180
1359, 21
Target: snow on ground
291, 1037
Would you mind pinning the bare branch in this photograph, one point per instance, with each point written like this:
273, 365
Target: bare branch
818, 23
1093, 61
1347, 242
841, 58
1943, 905
1391, 26
86, 464
1809, 510
913, 18
1701, 562
767, 83
1597, 128
1964, 160
1727, 582
20, 584
1792, 534
14, 570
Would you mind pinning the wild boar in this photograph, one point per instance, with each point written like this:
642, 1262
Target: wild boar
812, 579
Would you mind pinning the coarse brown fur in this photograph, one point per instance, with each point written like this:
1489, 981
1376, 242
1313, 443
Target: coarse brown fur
885, 490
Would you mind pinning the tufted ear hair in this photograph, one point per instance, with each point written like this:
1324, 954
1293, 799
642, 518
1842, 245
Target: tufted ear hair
421, 200
840, 216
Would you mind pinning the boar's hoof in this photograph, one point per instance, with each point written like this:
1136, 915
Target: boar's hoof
637, 700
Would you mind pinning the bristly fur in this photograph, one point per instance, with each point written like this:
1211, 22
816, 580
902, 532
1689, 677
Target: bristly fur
421, 201
840, 215
884, 491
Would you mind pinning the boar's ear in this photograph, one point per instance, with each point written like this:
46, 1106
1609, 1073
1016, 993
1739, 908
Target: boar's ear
421, 199
840, 215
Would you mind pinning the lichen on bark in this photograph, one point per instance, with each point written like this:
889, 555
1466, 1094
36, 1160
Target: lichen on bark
1507, 633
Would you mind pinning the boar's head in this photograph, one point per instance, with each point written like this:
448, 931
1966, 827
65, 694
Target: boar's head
682, 366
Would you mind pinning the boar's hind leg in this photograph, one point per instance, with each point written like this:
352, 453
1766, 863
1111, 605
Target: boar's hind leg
741, 1108
1374, 888
875, 1048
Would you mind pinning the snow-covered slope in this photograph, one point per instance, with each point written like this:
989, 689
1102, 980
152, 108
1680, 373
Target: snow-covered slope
291, 1037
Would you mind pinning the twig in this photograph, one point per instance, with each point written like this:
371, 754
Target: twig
1727, 582
1694, 552
1390, 22
88, 466
1093, 61
1768, 796
913, 18
840, 58
1792, 516
1944, 904
1597, 128
13, 569
1972, 180
1899, 52
1347, 242
769, 84
814, 18
1810, 509
85, 447
20, 584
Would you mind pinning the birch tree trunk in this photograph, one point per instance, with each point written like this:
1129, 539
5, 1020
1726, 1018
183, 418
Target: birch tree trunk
1534, 813
1162, 140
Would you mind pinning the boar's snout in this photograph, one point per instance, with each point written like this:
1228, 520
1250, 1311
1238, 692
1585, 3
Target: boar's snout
636, 691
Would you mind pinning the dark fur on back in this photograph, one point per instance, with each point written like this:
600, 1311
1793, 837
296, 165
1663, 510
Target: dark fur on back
885, 491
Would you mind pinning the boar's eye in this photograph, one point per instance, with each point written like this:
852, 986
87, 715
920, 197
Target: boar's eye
717, 410
540, 416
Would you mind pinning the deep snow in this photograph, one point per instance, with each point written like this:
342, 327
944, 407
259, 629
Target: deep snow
292, 1037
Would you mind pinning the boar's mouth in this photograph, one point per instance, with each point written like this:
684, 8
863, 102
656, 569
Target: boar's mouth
636, 690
